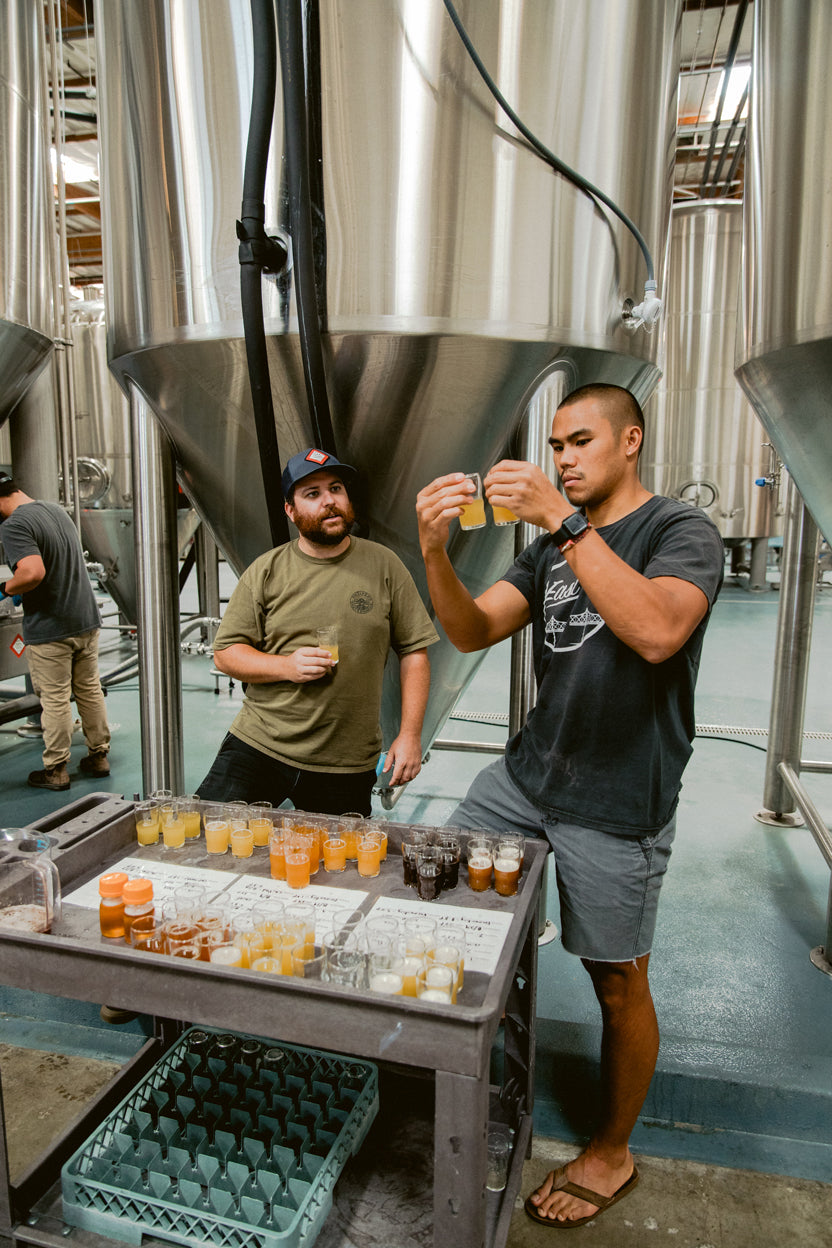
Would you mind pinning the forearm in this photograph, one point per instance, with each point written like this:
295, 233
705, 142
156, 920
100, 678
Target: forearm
414, 676
245, 663
466, 625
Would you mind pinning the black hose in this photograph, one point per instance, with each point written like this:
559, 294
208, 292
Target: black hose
258, 252
296, 148
551, 159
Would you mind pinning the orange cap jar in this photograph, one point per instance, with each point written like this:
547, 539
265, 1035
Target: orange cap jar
111, 907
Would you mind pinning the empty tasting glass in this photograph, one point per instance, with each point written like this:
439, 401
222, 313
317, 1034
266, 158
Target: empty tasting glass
343, 965
435, 982
260, 822
189, 901
246, 932
412, 963
473, 512
385, 975
147, 933
420, 928
228, 953
450, 935
303, 918
147, 822
269, 963
308, 961
269, 917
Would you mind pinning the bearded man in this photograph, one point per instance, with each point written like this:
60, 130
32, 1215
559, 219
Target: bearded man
308, 730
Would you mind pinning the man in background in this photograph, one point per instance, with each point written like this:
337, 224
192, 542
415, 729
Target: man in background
61, 626
309, 727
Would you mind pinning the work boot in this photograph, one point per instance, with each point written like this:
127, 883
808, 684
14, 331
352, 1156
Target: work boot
56, 778
96, 764
112, 1014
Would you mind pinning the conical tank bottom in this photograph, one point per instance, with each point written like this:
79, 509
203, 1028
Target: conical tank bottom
23, 353
109, 536
790, 390
406, 408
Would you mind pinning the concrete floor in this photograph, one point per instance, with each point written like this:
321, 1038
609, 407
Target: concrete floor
687, 1204
735, 1144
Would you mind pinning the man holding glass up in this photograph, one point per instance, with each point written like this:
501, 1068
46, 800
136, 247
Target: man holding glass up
618, 590
309, 726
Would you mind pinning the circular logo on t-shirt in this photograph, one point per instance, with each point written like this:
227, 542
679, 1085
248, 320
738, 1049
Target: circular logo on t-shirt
361, 601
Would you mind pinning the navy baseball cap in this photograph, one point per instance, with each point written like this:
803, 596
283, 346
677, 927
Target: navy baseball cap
305, 463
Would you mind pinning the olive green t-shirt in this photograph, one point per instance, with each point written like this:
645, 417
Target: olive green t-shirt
280, 602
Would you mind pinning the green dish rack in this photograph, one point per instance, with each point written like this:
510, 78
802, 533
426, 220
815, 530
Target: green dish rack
230, 1140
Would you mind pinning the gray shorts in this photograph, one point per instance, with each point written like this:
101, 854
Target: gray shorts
608, 885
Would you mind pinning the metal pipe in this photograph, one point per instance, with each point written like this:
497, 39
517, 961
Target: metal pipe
157, 572
207, 581
469, 747
63, 338
823, 838
801, 541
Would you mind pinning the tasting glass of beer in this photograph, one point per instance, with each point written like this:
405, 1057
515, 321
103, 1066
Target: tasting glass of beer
328, 640
473, 512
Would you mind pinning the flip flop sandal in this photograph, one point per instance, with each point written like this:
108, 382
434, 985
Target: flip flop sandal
562, 1184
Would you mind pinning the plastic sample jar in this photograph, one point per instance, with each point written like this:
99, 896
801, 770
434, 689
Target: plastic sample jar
138, 899
111, 907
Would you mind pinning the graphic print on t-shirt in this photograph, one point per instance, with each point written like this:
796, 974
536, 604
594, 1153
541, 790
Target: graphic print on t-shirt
565, 628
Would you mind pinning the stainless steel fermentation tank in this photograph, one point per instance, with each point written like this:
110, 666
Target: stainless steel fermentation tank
785, 346
104, 463
26, 228
460, 272
704, 443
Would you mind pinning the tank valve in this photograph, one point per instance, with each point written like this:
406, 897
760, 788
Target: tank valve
647, 312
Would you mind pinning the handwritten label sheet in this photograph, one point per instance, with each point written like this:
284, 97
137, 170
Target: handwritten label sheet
485, 930
238, 892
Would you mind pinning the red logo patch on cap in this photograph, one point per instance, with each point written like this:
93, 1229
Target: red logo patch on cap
317, 457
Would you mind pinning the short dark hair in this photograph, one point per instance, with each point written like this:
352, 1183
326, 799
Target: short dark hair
620, 405
7, 485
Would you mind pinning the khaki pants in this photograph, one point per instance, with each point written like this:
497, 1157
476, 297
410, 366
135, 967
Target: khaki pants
60, 671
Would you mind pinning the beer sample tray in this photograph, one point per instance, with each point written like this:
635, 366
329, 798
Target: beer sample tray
229, 1140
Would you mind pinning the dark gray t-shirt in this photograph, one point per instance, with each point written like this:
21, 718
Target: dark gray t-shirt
607, 742
63, 605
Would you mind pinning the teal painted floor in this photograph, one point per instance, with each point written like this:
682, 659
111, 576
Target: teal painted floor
745, 1072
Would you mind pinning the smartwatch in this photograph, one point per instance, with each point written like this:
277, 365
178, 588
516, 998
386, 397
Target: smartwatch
571, 531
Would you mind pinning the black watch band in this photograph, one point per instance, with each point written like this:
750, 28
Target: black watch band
572, 529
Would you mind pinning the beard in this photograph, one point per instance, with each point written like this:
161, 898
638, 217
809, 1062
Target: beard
315, 529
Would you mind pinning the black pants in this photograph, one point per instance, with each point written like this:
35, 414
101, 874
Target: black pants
243, 774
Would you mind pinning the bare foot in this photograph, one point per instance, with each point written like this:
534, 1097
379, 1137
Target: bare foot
588, 1170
